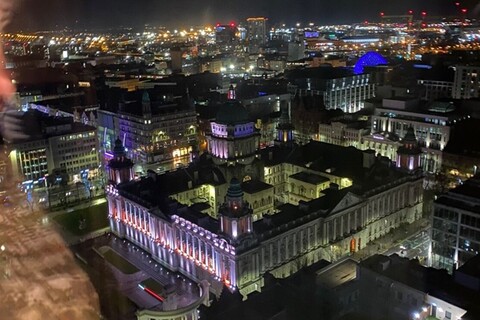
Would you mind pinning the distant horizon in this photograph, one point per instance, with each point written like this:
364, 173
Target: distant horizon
48, 15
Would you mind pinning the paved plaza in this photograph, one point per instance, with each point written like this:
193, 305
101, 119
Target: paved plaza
39, 276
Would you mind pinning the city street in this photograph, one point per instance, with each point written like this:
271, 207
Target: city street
416, 246
73, 192
411, 241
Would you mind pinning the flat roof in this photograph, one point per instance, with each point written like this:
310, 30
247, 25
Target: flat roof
254, 186
311, 178
336, 275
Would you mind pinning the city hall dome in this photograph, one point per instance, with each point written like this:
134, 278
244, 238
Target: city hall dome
232, 112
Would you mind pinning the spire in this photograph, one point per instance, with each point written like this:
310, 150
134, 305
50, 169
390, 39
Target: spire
146, 104
284, 128
410, 138
118, 149
145, 97
235, 195
231, 93
120, 168
235, 215
409, 153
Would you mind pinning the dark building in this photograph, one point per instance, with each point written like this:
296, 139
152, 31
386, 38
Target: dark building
226, 34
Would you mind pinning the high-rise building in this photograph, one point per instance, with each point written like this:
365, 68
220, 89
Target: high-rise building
226, 34
466, 83
456, 226
256, 33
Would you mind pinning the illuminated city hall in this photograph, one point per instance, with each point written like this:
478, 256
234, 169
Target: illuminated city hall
295, 206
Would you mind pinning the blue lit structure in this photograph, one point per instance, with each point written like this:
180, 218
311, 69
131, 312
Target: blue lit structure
369, 59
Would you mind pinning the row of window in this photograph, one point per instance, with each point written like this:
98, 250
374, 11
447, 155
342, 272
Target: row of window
81, 142
82, 136
79, 155
80, 161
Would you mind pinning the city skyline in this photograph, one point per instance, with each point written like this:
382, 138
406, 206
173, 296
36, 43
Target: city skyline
240, 160
33, 15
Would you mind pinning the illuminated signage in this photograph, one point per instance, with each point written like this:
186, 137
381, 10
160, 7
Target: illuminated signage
84, 84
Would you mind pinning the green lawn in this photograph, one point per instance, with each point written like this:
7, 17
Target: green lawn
119, 262
95, 219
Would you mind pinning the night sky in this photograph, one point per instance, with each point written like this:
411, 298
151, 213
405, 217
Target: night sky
48, 14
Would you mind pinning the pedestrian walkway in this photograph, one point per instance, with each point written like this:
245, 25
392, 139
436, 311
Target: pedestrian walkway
384, 244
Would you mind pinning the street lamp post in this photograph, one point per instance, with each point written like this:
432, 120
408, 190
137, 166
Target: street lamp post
4, 258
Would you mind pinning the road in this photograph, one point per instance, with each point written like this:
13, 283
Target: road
416, 246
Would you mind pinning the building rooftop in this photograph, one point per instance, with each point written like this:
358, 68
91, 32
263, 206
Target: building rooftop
232, 112
445, 109
470, 188
463, 140
457, 203
437, 283
36, 125
154, 188
471, 267
324, 72
337, 275
254, 186
290, 215
310, 178
278, 299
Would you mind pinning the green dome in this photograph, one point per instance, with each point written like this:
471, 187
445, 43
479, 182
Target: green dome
410, 136
118, 149
232, 112
235, 189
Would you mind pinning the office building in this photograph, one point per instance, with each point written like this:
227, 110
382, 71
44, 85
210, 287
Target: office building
256, 33
397, 288
435, 89
431, 123
466, 83
57, 143
152, 131
456, 226
226, 35
343, 133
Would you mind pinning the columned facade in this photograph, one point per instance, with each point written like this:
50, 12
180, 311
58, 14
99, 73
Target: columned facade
200, 254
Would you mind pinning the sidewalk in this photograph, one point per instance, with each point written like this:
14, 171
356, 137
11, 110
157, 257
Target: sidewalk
392, 239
